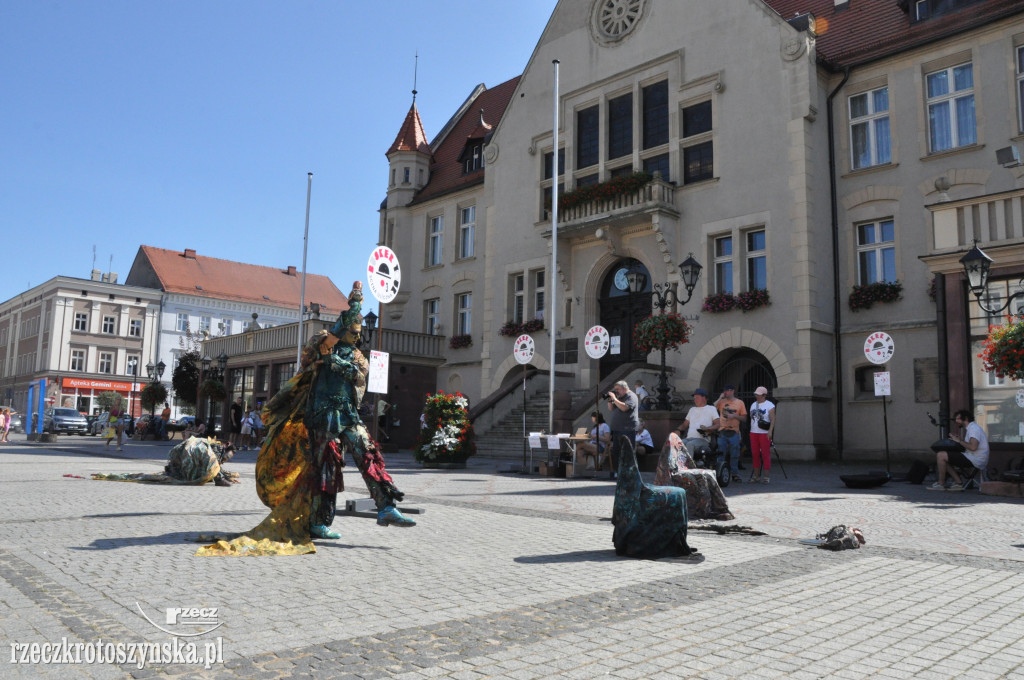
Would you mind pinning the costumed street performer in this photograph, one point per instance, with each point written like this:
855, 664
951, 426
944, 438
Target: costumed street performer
194, 461
311, 423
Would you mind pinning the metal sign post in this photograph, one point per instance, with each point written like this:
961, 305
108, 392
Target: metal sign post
596, 343
385, 277
879, 349
523, 352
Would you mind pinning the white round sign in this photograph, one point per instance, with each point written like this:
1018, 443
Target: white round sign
1020, 398
596, 342
384, 274
879, 348
523, 350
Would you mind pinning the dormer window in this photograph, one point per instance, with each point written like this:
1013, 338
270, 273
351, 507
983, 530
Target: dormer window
921, 10
473, 156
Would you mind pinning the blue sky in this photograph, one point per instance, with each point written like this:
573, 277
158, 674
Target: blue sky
192, 124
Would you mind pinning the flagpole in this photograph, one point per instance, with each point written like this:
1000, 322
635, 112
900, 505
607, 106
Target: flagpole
302, 295
550, 309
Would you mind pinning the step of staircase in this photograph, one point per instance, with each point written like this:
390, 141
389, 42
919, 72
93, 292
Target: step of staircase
505, 438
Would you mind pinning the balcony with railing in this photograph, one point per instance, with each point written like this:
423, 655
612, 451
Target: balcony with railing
995, 220
282, 340
609, 207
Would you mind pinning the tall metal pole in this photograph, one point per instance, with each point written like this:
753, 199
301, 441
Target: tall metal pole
302, 295
552, 304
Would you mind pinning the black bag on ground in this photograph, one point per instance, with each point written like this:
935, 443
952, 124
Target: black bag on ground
917, 472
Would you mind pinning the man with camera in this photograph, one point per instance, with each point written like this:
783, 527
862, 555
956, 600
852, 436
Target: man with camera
622, 419
731, 413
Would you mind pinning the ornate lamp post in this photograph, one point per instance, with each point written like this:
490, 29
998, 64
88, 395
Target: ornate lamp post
663, 297
366, 338
155, 373
133, 370
977, 266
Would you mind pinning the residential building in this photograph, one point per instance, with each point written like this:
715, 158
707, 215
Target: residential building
213, 297
798, 147
83, 336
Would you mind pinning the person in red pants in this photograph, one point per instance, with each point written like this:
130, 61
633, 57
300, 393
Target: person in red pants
762, 424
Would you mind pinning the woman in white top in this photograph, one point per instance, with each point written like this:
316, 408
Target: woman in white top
762, 423
644, 443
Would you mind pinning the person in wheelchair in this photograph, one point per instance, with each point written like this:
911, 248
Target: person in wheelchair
702, 418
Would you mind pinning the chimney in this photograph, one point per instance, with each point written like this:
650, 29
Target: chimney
96, 275
110, 277
190, 254
291, 270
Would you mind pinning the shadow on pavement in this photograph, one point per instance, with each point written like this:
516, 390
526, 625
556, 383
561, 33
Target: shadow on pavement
594, 556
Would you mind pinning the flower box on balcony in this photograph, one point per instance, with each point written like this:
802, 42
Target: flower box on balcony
752, 299
460, 341
719, 302
513, 329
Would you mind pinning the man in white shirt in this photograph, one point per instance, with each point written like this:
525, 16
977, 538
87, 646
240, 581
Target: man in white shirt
701, 416
975, 443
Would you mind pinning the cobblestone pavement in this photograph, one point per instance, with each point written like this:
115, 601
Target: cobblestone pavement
510, 576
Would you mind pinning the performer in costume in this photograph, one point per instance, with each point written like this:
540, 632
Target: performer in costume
335, 428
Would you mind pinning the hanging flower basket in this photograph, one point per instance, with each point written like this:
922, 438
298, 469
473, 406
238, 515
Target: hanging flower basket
664, 331
460, 341
864, 296
752, 299
719, 302
513, 329
214, 390
1003, 352
448, 438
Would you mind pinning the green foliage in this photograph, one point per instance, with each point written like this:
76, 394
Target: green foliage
214, 390
664, 331
185, 379
154, 394
108, 400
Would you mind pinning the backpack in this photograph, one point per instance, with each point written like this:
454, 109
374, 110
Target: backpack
917, 472
839, 538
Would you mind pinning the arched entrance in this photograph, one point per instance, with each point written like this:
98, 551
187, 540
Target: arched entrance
744, 368
621, 310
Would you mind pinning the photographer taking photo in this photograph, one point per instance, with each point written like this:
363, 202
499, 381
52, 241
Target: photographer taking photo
622, 419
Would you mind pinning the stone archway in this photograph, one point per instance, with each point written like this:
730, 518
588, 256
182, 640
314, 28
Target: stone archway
736, 343
506, 368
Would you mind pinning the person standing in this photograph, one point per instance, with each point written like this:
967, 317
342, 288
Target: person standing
236, 421
246, 433
762, 425
731, 414
7, 424
165, 419
116, 418
256, 422
382, 419
622, 419
4, 417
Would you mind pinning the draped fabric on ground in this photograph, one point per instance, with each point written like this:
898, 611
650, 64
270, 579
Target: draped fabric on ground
282, 478
194, 461
704, 497
650, 521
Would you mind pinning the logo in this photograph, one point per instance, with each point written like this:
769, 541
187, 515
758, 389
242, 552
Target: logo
186, 621
597, 342
383, 274
524, 349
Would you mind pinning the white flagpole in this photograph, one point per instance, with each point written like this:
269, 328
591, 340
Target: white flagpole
302, 295
550, 309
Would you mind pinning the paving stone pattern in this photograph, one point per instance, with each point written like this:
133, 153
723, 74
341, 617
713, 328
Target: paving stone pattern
512, 576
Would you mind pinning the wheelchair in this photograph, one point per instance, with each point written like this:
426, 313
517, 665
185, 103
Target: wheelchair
706, 456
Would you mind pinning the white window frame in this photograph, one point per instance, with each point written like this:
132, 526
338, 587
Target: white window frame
871, 120
722, 262
753, 255
464, 305
432, 316
878, 246
949, 100
135, 328
538, 280
206, 324
106, 359
467, 232
435, 241
518, 286
82, 322
181, 325
109, 325
77, 362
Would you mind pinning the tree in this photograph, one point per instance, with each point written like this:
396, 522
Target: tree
152, 395
185, 379
108, 400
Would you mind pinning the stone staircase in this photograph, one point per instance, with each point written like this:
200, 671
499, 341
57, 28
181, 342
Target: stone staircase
505, 439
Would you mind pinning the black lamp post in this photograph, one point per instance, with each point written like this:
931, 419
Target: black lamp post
155, 373
663, 297
369, 326
977, 266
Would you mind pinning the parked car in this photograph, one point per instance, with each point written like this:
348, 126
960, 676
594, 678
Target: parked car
64, 420
17, 423
98, 423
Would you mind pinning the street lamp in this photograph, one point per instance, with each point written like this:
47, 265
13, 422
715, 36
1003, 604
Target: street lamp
133, 370
155, 373
977, 266
663, 297
369, 325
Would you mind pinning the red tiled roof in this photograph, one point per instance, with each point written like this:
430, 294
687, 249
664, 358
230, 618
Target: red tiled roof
864, 30
192, 274
446, 170
411, 137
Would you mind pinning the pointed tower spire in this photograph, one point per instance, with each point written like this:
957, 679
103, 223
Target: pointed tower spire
411, 136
